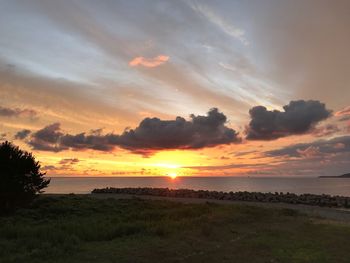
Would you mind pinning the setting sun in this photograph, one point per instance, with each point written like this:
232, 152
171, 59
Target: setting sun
172, 175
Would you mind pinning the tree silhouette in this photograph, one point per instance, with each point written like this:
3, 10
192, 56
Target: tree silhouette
20, 177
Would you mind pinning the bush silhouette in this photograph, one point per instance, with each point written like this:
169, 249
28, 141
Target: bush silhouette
20, 177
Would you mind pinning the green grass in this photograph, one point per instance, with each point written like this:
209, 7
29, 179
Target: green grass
81, 229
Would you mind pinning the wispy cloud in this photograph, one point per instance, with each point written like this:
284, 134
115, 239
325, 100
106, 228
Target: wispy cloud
337, 145
16, 112
220, 22
149, 62
343, 112
69, 161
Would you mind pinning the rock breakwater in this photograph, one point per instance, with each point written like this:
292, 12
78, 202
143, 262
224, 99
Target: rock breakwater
290, 198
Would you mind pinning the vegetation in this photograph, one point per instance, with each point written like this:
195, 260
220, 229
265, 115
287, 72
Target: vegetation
20, 177
74, 229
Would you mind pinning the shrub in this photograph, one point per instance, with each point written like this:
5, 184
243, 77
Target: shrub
20, 177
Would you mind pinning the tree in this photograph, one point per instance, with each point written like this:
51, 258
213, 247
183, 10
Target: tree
20, 177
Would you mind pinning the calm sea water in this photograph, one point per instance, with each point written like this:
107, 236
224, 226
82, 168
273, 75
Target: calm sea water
332, 186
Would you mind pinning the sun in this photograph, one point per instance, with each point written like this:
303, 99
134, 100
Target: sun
172, 175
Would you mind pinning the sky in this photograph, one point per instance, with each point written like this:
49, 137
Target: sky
177, 88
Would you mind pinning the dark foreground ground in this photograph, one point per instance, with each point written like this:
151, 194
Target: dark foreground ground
85, 229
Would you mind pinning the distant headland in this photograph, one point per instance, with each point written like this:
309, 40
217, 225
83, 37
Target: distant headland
338, 176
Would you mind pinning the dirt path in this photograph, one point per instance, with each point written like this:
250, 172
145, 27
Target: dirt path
342, 215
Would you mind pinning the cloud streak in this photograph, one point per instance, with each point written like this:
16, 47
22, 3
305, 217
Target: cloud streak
345, 111
336, 145
221, 23
17, 112
149, 62
344, 114
69, 161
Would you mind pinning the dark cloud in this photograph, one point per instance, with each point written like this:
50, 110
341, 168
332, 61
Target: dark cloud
47, 139
83, 141
51, 138
298, 117
22, 134
151, 135
49, 167
199, 132
16, 112
69, 161
333, 146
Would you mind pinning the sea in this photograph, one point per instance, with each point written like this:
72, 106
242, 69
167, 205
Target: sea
298, 185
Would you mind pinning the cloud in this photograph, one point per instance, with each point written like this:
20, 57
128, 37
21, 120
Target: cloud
326, 130
22, 134
149, 62
151, 135
66, 164
342, 112
58, 98
16, 112
298, 117
69, 161
345, 118
199, 132
85, 141
292, 46
51, 138
332, 146
49, 167
229, 166
220, 22
309, 152
47, 139
243, 153
181, 85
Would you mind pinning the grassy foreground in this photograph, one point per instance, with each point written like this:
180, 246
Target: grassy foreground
82, 229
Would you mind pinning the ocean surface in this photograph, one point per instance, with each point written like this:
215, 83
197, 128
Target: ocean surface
81, 185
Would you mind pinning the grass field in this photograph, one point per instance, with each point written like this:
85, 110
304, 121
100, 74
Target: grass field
82, 229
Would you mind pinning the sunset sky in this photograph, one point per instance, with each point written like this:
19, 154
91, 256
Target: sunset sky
202, 88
